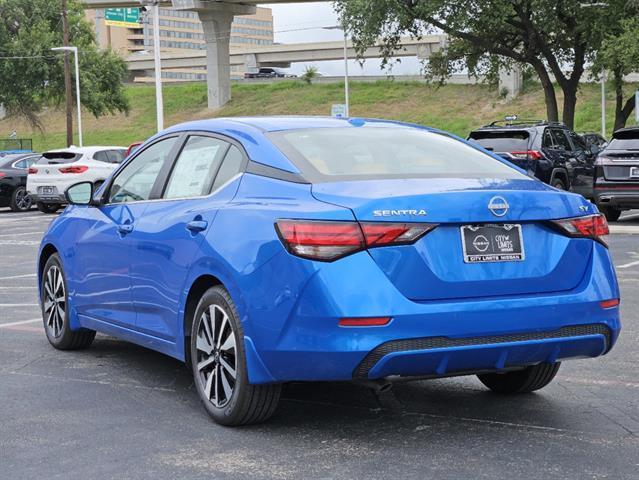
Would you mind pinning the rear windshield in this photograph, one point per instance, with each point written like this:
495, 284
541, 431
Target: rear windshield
510, 141
52, 158
326, 154
625, 140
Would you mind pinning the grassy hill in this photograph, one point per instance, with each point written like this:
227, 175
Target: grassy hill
456, 108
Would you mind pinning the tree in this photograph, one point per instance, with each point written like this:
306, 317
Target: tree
554, 37
310, 73
31, 75
619, 55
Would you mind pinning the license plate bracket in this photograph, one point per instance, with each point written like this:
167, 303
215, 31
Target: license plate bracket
492, 242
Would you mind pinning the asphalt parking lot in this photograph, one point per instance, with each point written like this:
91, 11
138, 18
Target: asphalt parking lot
119, 411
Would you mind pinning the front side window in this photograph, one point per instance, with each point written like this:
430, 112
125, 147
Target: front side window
327, 154
135, 182
195, 168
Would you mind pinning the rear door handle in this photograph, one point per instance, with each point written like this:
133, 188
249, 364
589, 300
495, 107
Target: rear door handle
125, 228
196, 226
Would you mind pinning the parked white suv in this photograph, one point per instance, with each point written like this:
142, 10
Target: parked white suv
57, 170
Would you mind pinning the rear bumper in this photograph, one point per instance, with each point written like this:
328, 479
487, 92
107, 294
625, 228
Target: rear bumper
57, 199
460, 336
618, 198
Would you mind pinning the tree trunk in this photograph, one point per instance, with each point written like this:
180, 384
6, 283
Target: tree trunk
552, 110
622, 111
570, 102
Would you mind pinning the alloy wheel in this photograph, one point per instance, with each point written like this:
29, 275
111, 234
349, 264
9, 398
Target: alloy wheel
216, 355
23, 201
54, 301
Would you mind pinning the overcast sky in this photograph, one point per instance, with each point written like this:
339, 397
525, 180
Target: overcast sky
298, 23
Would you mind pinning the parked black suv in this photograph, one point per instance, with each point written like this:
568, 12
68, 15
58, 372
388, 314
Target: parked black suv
547, 150
617, 174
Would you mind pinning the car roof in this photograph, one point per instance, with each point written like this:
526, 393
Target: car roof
279, 123
633, 128
84, 150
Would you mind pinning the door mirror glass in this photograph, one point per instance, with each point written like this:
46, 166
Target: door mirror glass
80, 193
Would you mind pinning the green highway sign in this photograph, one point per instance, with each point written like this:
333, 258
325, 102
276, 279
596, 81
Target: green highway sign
122, 17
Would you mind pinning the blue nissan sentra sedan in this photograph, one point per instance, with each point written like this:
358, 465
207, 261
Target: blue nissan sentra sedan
267, 250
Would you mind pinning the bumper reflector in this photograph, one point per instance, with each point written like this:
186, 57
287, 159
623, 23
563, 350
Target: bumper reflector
364, 322
610, 303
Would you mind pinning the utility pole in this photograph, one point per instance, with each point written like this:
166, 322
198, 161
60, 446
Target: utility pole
67, 75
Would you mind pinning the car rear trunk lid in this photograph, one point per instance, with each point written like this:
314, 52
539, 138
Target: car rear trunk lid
435, 267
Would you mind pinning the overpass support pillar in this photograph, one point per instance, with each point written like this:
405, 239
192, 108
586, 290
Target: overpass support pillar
511, 81
216, 18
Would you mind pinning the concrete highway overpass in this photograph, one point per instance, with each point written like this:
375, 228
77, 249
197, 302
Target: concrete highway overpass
282, 55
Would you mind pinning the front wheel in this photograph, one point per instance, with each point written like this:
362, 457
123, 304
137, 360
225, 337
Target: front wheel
48, 207
527, 380
55, 311
219, 368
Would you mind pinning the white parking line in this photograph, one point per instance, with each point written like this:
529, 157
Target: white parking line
628, 265
22, 233
19, 276
23, 322
11, 305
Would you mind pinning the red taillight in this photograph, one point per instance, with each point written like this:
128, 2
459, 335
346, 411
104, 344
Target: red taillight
612, 303
592, 226
32, 170
75, 169
2, 174
364, 322
527, 154
329, 240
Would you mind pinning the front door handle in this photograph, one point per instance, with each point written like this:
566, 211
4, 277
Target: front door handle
196, 226
125, 228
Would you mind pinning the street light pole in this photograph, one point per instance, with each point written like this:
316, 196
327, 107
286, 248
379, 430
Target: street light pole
603, 103
77, 86
346, 92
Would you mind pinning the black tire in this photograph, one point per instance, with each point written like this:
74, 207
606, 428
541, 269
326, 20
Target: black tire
612, 214
216, 318
20, 200
558, 184
48, 207
527, 380
55, 315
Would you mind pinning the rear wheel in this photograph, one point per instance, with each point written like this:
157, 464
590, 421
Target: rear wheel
48, 207
20, 200
219, 364
521, 381
612, 214
55, 313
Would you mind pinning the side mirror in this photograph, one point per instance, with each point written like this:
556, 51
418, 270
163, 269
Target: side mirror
80, 194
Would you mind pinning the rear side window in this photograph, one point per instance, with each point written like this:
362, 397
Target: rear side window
115, 156
231, 166
26, 162
54, 158
503, 141
193, 173
101, 156
560, 140
326, 154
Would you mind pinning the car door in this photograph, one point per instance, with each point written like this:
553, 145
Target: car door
584, 165
103, 250
562, 154
168, 236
